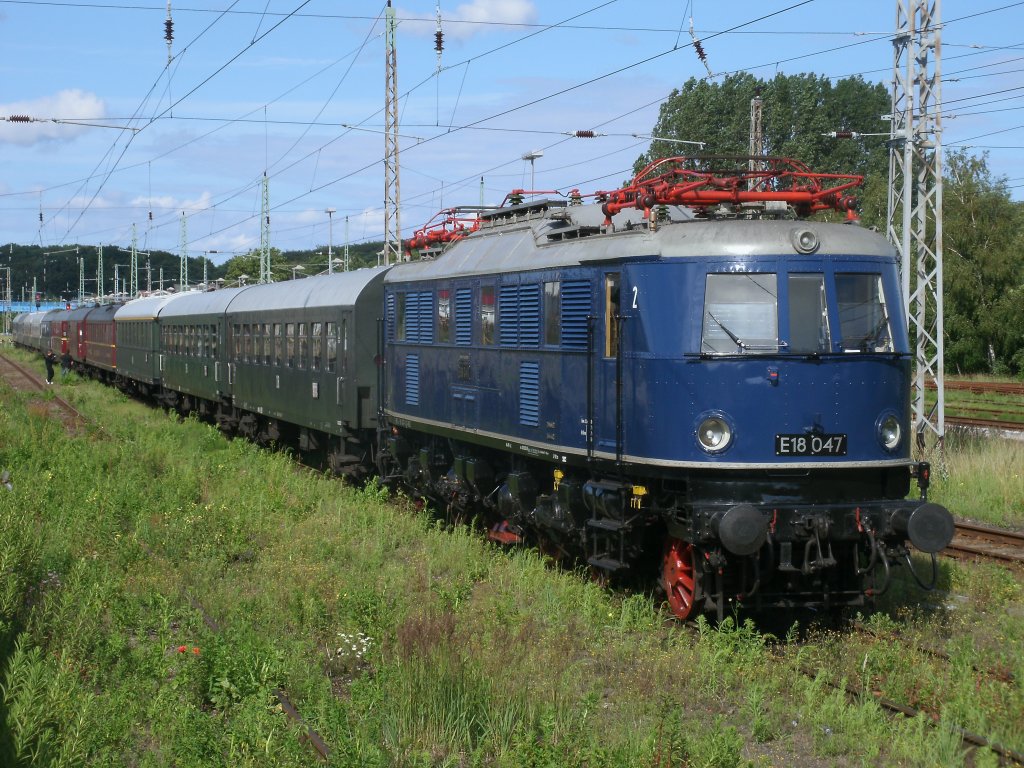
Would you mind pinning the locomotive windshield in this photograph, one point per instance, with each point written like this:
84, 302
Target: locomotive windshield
742, 314
863, 319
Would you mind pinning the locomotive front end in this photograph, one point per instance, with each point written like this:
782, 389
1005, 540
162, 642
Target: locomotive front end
795, 440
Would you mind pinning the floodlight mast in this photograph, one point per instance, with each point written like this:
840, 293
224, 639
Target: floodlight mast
330, 239
532, 156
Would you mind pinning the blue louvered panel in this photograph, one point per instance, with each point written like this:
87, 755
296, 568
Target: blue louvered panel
412, 317
529, 394
426, 317
464, 317
529, 316
508, 315
575, 309
412, 379
389, 316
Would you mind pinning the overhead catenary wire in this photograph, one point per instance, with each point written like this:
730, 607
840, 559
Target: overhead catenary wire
467, 127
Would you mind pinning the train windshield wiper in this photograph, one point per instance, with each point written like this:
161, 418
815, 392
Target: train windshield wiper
869, 340
730, 334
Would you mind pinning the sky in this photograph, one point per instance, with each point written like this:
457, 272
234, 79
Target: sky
172, 142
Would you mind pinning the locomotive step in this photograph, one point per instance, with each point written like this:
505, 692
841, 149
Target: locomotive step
605, 563
605, 524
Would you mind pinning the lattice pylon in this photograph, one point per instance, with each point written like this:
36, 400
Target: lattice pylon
914, 223
392, 187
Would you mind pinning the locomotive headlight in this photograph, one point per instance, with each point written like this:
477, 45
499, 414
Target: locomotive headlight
714, 434
889, 432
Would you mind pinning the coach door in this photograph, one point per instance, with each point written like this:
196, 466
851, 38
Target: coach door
338, 353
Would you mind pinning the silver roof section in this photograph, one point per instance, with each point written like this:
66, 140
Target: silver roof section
145, 308
334, 290
568, 236
200, 303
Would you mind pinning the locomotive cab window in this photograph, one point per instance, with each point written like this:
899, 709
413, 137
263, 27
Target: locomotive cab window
740, 314
808, 315
863, 316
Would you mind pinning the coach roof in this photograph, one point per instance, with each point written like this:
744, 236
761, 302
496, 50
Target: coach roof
341, 289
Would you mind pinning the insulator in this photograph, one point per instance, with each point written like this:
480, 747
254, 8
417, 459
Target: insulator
40, 216
19, 119
700, 50
150, 215
169, 30
584, 134
439, 41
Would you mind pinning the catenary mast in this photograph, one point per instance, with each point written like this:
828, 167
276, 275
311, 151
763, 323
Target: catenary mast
914, 223
392, 189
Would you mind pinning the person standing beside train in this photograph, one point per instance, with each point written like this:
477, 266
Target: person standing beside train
65, 364
49, 359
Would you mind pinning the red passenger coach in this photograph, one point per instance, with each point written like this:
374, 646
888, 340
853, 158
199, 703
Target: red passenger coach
99, 341
74, 323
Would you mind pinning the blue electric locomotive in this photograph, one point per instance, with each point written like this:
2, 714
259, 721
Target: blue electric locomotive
689, 377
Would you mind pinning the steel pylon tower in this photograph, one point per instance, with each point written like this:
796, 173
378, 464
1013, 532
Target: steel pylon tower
133, 279
392, 188
183, 262
756, 137
915, 198
265, 233
99, 273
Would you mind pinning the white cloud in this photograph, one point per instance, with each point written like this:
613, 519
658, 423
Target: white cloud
481, 16
71, 104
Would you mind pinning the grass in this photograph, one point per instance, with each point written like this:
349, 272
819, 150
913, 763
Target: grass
464, 654
981, 479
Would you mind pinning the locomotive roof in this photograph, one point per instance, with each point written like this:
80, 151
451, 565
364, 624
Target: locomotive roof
337, 289
540, 238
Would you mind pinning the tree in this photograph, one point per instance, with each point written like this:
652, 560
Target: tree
796, 111
983, 269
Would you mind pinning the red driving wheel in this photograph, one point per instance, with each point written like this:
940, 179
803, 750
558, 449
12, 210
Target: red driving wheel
679, 577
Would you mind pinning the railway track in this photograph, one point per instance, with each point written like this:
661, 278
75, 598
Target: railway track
972, 541
983, 387
979, 423
23, 380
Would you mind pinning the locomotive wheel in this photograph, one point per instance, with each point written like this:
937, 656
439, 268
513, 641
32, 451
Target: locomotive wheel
679, 577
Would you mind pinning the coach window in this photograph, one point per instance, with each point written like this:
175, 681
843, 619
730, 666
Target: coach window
332, 348
289, 332
268, 342
863, 316
740, 314
552, 314
808, 315
444, 315
487, 314
213, 341
303, 345
278, 345
316, 341
611, 314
